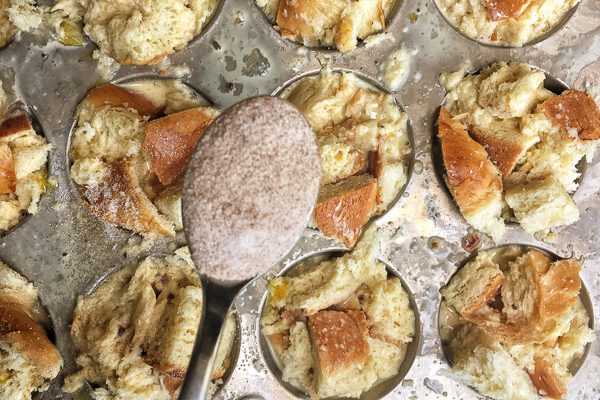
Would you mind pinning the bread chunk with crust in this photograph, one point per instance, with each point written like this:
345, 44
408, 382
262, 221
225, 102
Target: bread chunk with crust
542, 204
120, 200
340, 343
15, 122
338, 23
339, 157
343, 208
28, 359
474, 180
505, 144
474, 285
118, 96
576, 113
170, 140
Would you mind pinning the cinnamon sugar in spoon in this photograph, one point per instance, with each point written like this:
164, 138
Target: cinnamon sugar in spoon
249, 190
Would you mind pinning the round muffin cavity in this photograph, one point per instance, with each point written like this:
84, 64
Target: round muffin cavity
513, 321
340, 326
512, 150
505, 22
130, 148
139, 32
365, 150
28, 359
339, 23
23, 165
135, 333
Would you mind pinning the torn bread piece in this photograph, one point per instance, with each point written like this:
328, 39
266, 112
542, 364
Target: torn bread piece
546, 380
474, 181
340, 343
340, 159
120, 201
338, 23
8, 176
29, 359
360, 321
170, 140
343, 208
15, 121
576, 113
542, 204
560, 286
505, 144
118, 96
389, 313
486, 365
474, 285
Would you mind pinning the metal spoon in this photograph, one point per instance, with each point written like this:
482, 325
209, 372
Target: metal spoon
249, 190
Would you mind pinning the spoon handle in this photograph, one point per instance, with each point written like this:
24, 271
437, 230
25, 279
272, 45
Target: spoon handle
216, 303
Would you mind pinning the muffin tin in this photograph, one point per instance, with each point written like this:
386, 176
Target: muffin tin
66, 251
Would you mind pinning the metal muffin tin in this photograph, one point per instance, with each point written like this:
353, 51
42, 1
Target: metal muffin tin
66, 251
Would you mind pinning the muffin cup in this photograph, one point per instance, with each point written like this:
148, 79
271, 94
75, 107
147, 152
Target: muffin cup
381, 388
575, 364
535, 40
408, 163
69, 148
390, 19
551, 83
37, 127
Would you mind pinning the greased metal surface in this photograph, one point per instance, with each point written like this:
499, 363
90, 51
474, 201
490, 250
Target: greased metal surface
66, 251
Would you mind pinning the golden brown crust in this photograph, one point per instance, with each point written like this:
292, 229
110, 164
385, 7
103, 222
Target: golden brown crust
485, 297
117, 96
560, 287
8, 176
495, 324
473, 179
502, 9
120, 200
546, 381
293, 15
574, 111
16, 122
172, 383
21, 331
172, 376
540, 261
339, 341
502, 153
343, 215
171, 140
